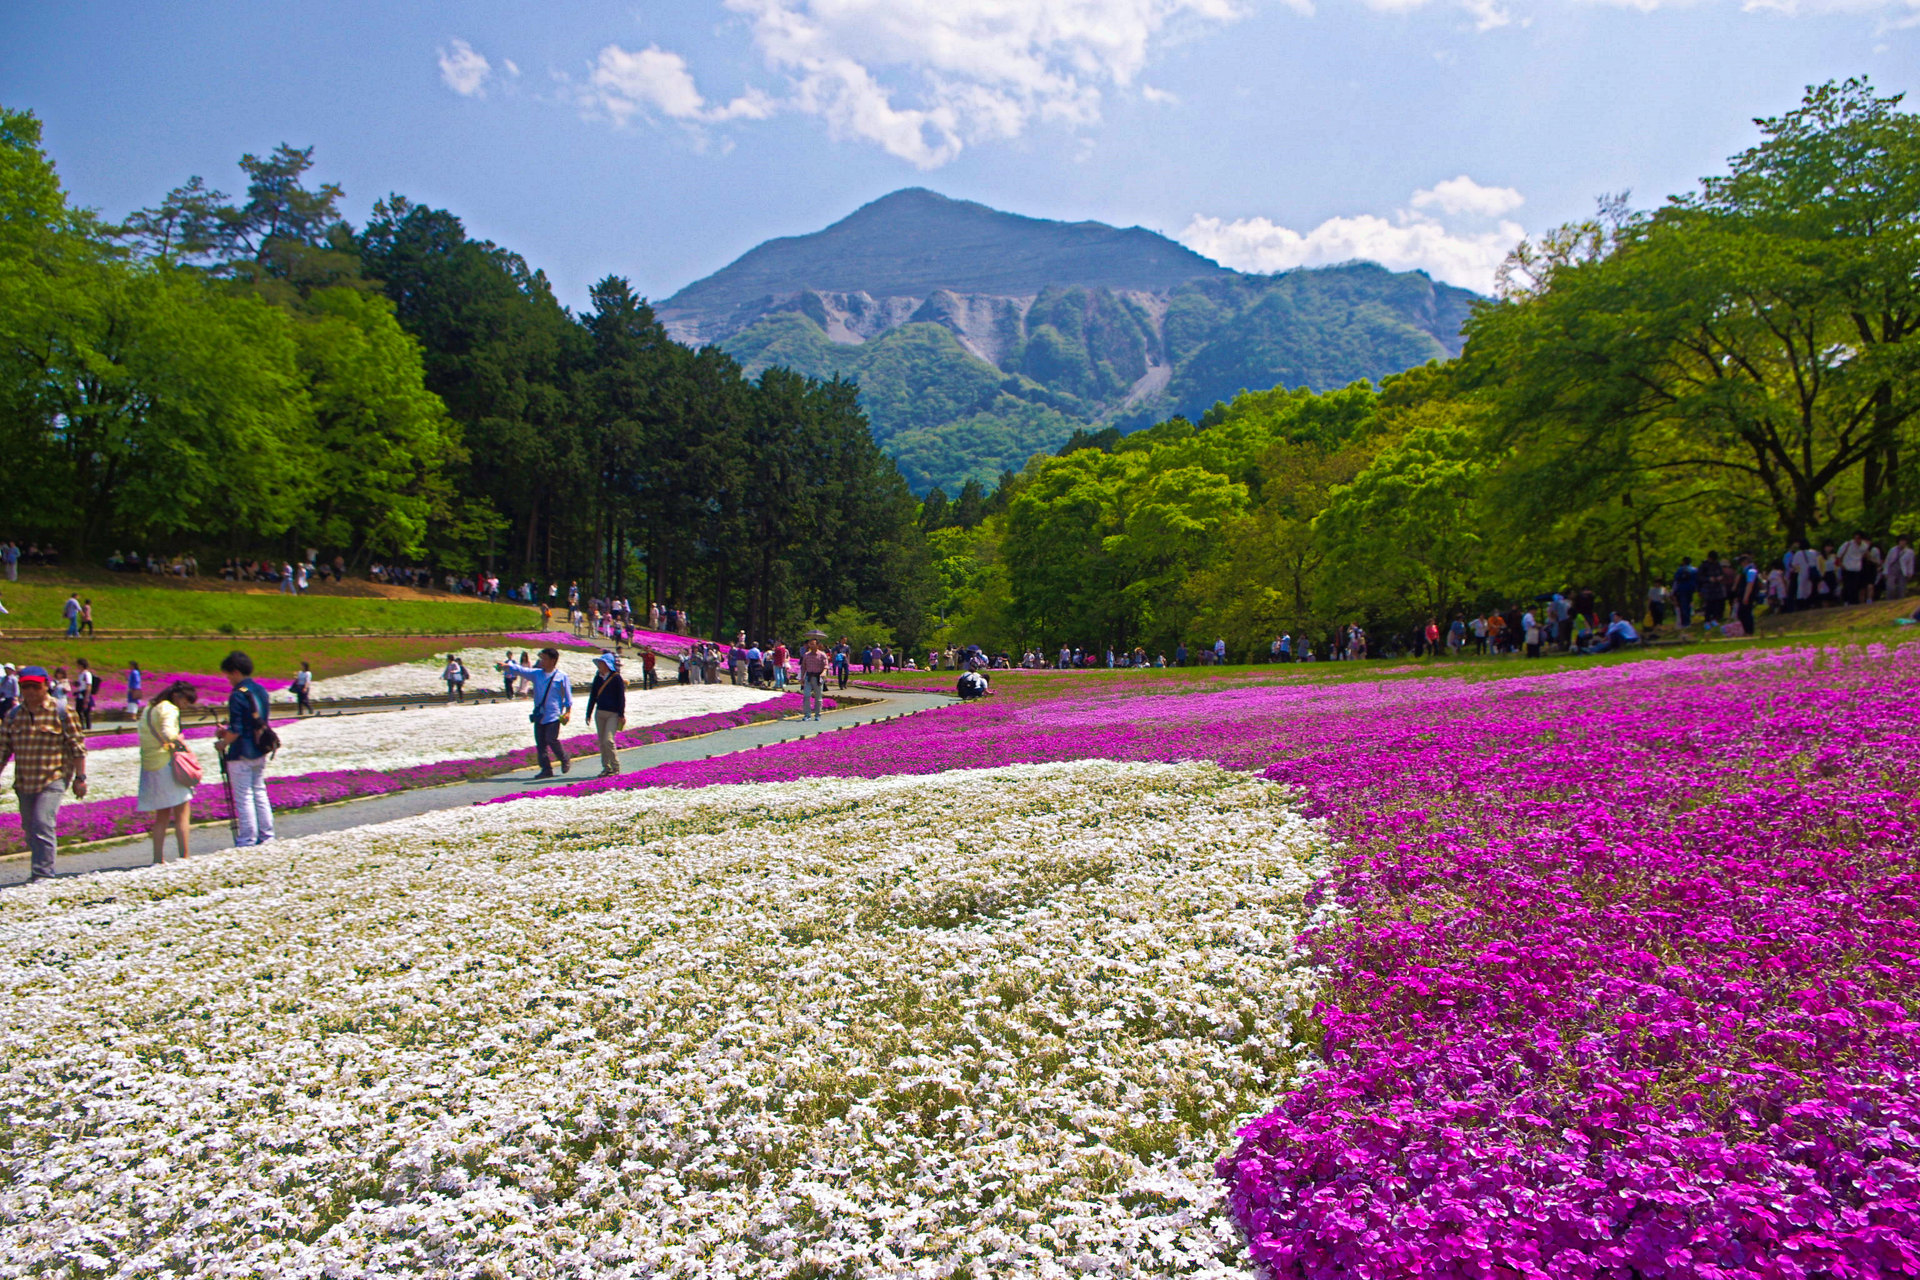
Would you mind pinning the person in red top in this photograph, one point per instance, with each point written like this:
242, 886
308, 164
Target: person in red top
778, 660
49, 755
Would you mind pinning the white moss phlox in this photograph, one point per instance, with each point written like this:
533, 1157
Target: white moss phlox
1001, 1021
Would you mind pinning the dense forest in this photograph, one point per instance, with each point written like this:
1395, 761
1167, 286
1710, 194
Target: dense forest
252, 376
1734, 369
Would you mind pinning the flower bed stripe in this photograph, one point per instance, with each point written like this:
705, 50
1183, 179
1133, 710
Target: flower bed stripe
88, 820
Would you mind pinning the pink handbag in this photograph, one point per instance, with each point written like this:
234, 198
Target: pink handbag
186, 765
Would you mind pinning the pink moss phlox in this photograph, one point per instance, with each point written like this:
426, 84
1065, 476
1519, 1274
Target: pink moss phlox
1627, 980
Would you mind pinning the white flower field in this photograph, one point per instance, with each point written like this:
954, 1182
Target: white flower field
421, 679
994, 1023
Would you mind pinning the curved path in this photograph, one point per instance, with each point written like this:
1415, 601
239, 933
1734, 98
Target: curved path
124, 854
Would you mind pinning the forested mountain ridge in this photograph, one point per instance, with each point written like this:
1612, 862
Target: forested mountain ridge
980, 337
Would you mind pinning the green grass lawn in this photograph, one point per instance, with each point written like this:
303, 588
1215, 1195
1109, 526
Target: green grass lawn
202, 607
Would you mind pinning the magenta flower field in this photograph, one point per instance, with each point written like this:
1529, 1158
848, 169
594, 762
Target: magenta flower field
1627, 980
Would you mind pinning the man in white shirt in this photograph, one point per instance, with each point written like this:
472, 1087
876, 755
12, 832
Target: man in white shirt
1859, 565
1898, 567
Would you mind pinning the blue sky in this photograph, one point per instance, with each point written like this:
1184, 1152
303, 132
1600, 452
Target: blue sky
658, 141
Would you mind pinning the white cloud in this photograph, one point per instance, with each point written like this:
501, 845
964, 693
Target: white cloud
925, 78
624, 84
1464, 195
465, 70
1409, 240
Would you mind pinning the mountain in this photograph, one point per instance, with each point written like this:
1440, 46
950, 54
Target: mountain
980, 338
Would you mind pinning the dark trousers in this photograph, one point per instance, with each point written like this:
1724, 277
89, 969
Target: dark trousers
649, 679
1714, 609
1683, 602
303, 700
1743, 610
546, 738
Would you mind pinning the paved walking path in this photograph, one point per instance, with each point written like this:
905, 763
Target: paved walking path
123, 854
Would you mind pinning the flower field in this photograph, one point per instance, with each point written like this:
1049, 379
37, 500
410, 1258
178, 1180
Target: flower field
422, 679
992, 1023
1628, 978
356, 756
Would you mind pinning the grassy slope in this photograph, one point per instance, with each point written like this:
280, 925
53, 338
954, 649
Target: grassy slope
202, 607
277, 659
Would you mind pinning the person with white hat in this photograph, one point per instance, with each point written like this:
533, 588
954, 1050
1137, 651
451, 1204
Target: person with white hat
49, 755
607, 709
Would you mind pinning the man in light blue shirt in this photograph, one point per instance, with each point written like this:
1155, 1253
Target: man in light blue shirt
1619, 635
552, 706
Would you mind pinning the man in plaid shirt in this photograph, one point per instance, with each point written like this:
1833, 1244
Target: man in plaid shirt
49, 753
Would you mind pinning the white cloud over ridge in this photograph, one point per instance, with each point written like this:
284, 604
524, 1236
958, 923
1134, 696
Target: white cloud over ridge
623, 85
1467, 255
464, 70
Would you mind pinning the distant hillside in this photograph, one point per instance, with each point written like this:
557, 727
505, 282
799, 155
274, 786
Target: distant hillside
980, 337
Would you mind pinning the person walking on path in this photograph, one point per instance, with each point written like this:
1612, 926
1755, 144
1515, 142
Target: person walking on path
303, 691
247, 739
86, 616
49, 755
607, 710
455, 675
813, 679
552, 707
135, 684
842, 664
649, 672
72, 612
164, 791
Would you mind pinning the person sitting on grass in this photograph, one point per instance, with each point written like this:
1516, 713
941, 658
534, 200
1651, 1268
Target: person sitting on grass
1619, 635
162, 793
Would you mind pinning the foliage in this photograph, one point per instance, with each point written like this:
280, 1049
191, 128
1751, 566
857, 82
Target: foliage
252, 376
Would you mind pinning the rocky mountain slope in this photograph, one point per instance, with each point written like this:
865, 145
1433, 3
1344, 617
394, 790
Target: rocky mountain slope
980, 337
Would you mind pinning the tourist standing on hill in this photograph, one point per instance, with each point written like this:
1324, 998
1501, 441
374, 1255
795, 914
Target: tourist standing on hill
1859, 565
813, 679
10, 559
1747, 587
166, 792
71, 610
247, 738
552, 707
49, 755
607, 710
9, 689
1713, 590
303, 690
1686, 584
1897, 569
